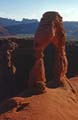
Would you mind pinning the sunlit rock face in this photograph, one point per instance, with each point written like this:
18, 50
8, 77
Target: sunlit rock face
50, 31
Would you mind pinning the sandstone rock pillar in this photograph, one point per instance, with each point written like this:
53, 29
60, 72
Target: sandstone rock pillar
50, 31
61, 63
6, 71
37, 75
42, 39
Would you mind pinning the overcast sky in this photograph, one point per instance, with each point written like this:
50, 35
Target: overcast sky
18, 9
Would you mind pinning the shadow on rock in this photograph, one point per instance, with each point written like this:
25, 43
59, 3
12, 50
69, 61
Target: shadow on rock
16, 104
7, 106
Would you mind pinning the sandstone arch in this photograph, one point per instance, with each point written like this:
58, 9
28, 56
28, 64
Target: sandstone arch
50, 31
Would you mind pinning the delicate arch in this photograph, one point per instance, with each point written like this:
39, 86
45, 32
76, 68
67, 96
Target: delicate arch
50, 31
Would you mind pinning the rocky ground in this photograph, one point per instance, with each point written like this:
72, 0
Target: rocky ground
55, 104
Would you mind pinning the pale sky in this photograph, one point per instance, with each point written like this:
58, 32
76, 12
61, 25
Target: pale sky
33, 9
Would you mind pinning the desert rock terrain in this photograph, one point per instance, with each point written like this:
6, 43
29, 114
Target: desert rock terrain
38, 89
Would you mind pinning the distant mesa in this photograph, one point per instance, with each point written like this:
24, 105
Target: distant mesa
29, 26
3, 31
8, 22
25, 26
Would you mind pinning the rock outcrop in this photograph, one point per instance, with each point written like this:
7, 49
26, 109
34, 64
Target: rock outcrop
55, 104
50, 31
7, 68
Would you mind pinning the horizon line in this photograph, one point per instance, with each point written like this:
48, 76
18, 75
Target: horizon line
32, 19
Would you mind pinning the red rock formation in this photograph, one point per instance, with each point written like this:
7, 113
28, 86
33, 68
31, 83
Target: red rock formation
50, 31
6, 68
